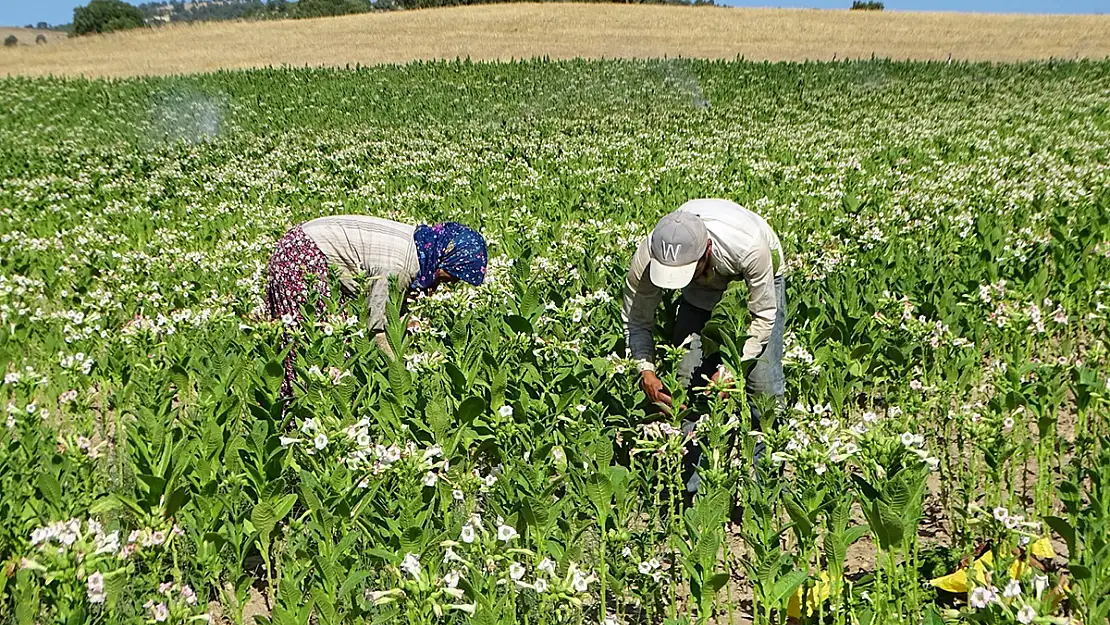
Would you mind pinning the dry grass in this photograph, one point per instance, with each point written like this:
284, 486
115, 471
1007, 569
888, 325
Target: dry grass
511, 31
27, 36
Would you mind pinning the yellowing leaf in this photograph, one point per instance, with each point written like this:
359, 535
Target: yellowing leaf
1017, 568
818, 593
1043, 549
958, 582
953, 582
979, 572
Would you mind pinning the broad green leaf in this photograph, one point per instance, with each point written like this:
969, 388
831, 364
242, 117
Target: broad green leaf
1065, 530
785, 587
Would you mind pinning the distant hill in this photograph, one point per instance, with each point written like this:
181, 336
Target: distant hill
201, 10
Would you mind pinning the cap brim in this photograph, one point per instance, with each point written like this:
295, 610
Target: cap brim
666, 277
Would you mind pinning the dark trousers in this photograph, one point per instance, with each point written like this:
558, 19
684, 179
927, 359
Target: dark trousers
765, 378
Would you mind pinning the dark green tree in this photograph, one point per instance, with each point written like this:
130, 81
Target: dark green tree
11, 41
105, 16
323, 8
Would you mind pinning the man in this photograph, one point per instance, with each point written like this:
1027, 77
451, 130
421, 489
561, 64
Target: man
701, 248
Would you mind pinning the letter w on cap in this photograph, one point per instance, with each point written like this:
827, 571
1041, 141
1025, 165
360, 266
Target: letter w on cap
670, 251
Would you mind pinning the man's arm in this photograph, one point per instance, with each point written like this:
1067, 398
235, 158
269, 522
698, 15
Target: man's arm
762, 301
641, 299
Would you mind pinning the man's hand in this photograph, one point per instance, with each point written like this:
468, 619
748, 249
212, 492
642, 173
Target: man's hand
653, 389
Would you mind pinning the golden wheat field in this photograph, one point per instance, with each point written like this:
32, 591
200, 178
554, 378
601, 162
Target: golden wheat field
27, 36
513, 31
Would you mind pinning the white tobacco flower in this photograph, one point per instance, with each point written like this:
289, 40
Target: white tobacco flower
467, 534
430, 479
1000, 514
1040, 584
505, 411
451, 580
506, 533
981, 597
457, 495
580, 581
1026, 615
321, 441
1012, 589
540, 585
547, 565
94, 586
516, 571
411, 565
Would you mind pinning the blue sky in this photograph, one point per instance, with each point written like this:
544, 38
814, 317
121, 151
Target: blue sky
20, 12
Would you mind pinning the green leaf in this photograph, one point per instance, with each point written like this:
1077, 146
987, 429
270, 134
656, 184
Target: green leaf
412, 540
284, 506
603, 451
708, 545
802, 524
115, 584
1065, 530
519, 324
854, 533
325, 607
785, 587
264, 518
835, 552
26, 603
274, 371
1079, 572
174, 502
892, 531
400, 380
438, 421
932, 616
717, 582
600, 493
50, 489
282, 616
469, 410
354, 579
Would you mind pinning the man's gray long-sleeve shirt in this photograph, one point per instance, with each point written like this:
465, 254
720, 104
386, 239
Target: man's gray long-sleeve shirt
744, 247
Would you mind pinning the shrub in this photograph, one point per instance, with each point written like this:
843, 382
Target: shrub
41, 39
867, 5
105, 16
11, 41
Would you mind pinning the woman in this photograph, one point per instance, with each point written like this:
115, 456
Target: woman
356, 246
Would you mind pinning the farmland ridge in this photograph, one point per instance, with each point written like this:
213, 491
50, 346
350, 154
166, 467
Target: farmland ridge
514, 31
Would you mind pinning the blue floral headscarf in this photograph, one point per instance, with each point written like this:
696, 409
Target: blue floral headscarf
452, 247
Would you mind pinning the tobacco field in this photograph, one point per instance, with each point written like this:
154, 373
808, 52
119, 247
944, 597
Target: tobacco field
943, 454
